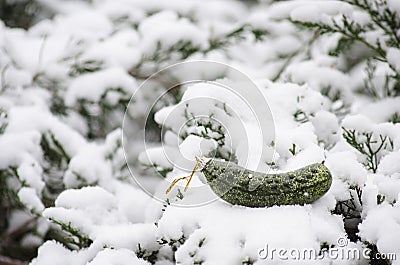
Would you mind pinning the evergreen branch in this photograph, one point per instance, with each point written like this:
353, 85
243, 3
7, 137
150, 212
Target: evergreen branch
387, 21
185, 48
350, 30
368, 82
87, 66
349, 209
234, 35
353, 31
53, 150
150, 256
75, 236
3, 77
365, 147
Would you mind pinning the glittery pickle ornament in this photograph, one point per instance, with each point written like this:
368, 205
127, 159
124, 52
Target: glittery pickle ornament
241, 186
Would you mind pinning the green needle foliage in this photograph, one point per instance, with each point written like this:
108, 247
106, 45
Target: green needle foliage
369, 145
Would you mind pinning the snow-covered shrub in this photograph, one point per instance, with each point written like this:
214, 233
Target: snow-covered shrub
328, 71
363, 34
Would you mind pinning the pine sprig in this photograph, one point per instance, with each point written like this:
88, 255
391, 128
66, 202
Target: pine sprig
98, 115
76, 238
382, 16
348, 28
8, 195
87, 66
382, 19
150, 256
237, 34
54, 164
174, 243
370, 146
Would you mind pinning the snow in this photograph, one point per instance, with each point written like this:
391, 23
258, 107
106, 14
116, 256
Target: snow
131, 206
127, 236
14, 77
214, 10
118, 50
52, 250
116, 10
93, 86
369, 195
31, 175
32, 241
358, 122
88, 166
345, 166
223, 102
318, 76
287, 45
302, 8
303, 136
85, 197
166, 28
29, 197
237, 238
326, 126
389, 165
363, 124
158, 156
193, 142
100, 209
384, 232
31, 53
394, 5
388, 186
361, 18
381, 111
35, 120
285, 100
81, 25
17, 149
310, 155
119, 256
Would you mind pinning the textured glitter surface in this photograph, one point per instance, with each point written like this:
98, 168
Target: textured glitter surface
240, 186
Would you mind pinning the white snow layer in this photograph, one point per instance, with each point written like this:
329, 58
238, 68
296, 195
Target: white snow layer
304, 127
